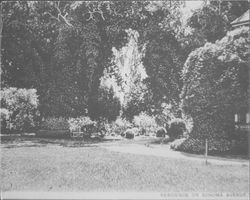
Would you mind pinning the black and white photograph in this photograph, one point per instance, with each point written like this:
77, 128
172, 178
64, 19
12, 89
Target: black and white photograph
125, 99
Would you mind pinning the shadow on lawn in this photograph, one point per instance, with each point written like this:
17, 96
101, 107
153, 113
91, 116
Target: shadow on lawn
16, 142
218, 155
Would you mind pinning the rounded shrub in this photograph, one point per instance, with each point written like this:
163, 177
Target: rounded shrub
84, 124
76, 124
120, 126
161, 132
177, 128
129, 133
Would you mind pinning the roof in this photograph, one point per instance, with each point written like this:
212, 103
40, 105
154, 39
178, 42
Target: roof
242, 20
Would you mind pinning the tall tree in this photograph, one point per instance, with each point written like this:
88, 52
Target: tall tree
162, 59
212, 20
62, 48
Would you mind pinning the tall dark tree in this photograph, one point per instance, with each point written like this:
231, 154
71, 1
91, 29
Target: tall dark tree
163, 66
162, 59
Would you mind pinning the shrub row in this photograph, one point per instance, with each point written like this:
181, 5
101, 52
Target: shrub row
77, 124
193, 145
61, 127
53, 123
19, 112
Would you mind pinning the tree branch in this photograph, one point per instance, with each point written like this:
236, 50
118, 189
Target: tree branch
53, 17
60, 17
95, 10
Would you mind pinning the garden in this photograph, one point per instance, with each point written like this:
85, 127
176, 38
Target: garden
20, 116
80, 76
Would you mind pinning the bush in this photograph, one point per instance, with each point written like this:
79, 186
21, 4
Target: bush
109, 128
136, 131
5, 115
120, 126
176, 144
82, 123
193, 145
19, 109
190, 145
130, 134
177, 128
102, 126
161, 132
55, 123
145, 123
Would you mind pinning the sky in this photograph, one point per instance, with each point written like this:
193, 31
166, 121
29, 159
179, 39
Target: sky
190, 5
193, 4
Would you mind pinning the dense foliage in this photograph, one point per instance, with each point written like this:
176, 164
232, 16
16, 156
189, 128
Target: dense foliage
215, 85
212, 21
80, 123
62, 48
136, 101
53, 123
108, 106
19, 109
120, 126
145, 123
193, 145
177, 128
209, 23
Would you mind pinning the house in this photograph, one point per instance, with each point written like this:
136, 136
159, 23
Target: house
243, 20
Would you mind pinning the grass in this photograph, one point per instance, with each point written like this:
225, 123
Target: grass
42, 166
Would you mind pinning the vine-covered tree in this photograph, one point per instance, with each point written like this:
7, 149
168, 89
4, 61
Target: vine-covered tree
215, 85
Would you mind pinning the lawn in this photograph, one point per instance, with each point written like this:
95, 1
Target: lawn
46, 166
